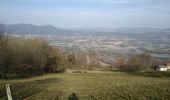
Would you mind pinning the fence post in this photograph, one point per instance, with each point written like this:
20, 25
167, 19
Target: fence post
8, 91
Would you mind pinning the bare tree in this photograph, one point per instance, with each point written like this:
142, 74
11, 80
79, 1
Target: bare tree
3, 37
3, 45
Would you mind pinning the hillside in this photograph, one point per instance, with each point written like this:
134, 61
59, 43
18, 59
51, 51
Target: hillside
91, 86
22, 29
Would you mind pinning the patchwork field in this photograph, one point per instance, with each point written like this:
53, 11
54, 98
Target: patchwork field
91, 86
108, 47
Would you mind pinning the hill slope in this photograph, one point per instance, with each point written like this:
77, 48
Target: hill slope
21, 29
91, 86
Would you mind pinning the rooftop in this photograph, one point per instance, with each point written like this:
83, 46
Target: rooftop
162, 66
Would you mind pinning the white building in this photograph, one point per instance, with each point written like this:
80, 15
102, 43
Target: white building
162, 68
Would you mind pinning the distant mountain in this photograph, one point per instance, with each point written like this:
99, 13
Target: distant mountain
137, 30
126, 30
166, 29
33, 29
23, 29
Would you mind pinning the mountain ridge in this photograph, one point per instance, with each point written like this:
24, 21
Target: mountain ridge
34, 29
24, 29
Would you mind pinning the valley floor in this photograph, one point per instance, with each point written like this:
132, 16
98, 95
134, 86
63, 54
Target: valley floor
91, 86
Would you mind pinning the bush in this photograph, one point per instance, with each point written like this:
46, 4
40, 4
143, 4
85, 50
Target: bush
32, 57
136, 63
77, 71
29, 57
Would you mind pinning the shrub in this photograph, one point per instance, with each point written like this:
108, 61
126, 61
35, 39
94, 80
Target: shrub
136, 63
29, 57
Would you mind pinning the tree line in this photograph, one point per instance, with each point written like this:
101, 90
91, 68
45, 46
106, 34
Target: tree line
137, 62
23, 57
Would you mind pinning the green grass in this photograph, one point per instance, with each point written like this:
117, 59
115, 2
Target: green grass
92, 86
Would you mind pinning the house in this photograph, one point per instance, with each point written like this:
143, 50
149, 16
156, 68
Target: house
168, 66
161, 68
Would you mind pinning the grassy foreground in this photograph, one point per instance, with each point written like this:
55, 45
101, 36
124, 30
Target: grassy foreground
91, 86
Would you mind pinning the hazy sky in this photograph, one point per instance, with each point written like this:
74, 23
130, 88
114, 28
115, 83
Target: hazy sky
87, 13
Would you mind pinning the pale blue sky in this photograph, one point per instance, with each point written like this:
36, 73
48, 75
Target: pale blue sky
87, 13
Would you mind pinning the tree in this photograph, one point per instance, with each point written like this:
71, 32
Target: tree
120, 63
136, 62
3, 51
140, 62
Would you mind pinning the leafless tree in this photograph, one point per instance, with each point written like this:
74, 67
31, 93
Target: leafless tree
3, 36
3, 45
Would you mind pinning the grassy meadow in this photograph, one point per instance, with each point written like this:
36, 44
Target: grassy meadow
91, 85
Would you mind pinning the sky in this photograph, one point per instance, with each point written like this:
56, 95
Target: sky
87, 13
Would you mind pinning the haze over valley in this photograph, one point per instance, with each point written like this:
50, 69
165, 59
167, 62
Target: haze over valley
107, 43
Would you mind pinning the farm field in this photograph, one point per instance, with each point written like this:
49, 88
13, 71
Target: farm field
93, 85
108, 47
